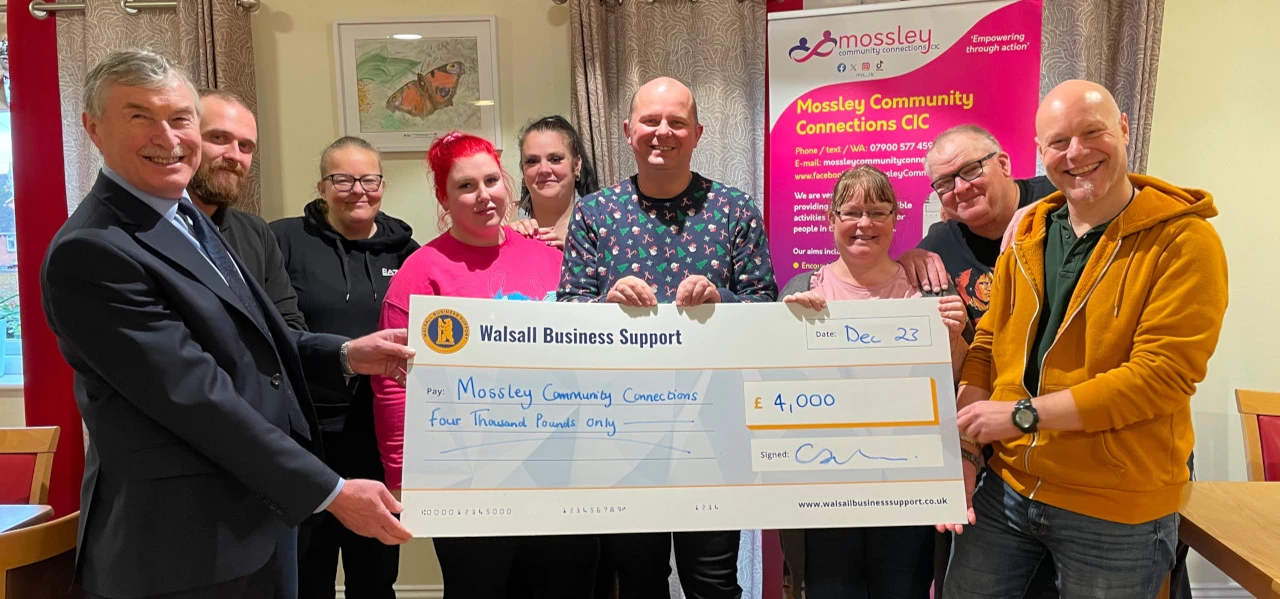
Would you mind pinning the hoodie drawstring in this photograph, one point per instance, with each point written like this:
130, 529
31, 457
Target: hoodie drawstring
1124, 276
368, 270
1013, 289
342, 259
346, 276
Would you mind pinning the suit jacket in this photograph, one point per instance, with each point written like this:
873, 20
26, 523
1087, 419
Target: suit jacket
195, 469
255, 245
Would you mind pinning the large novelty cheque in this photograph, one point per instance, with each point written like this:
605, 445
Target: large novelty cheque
527, 418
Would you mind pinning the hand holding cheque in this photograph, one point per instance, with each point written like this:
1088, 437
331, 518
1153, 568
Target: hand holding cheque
546, 418
365, 506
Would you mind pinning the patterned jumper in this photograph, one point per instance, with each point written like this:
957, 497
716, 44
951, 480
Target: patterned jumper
709, 229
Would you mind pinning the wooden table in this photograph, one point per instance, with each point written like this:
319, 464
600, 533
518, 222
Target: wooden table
1236, 526
13, 517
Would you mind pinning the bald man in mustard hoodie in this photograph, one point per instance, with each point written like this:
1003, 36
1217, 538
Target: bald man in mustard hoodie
1105, 311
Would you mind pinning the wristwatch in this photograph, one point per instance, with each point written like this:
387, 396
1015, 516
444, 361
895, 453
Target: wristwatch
1025, 416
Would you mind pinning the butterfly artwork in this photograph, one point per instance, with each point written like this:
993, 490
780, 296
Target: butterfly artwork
403, 93
427, 92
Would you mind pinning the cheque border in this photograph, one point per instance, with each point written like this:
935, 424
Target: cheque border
789, 367
753, 485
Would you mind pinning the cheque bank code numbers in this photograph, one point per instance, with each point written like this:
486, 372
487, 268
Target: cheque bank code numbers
470, 512
593, 509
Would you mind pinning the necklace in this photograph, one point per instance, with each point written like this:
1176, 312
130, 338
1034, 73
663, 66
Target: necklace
1133, 193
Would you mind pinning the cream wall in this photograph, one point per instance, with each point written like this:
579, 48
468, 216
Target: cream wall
297, 118
1216, 127
12, 413
297, 111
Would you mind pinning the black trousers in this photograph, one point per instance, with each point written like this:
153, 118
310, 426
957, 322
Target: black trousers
707, 563
267, 582
547, 567
369, 568
892, 562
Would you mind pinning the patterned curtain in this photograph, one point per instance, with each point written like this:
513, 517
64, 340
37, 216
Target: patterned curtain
1112, 42
715, 46
210, 38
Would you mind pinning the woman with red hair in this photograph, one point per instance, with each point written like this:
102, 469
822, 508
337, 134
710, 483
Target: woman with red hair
477, 256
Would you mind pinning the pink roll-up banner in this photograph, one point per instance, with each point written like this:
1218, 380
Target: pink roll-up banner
875, 84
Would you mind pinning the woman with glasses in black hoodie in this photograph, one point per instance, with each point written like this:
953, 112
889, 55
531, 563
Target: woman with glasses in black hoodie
340, 255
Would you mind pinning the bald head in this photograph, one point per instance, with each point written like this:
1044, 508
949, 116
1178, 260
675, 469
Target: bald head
666, 88
1075, 96
1083, 140
663, 131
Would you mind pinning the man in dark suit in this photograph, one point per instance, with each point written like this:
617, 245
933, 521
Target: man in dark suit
200, 462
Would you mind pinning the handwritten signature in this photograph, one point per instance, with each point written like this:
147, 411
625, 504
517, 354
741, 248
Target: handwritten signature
826, 456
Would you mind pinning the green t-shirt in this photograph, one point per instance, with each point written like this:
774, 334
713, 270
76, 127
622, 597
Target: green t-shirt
1065, 256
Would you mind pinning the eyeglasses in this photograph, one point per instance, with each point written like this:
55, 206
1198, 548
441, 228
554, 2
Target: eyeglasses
345, 182
853, 216
947, 183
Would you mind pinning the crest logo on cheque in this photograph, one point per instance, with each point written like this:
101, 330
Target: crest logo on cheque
445, 331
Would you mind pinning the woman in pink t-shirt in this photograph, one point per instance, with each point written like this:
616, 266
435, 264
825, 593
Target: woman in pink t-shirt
478, 257
893, 561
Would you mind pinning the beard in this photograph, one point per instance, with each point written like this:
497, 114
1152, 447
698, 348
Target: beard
1084, 193
218, 183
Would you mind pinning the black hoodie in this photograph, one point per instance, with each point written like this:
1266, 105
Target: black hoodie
341, 284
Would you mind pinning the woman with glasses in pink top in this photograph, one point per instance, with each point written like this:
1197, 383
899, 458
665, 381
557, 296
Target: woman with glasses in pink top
891, 561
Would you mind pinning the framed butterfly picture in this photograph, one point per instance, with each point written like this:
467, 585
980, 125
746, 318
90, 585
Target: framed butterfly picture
402, 83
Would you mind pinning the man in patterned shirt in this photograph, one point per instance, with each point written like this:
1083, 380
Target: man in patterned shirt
668, 234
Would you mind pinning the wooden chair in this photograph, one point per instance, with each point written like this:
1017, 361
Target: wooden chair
39, 561
26, 462
1260, 418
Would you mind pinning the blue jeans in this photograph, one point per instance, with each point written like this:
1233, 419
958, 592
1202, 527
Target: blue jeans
1094, 558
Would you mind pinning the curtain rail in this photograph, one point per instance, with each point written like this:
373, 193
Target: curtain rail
41, 10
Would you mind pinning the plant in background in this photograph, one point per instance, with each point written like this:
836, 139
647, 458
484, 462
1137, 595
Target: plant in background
10, 313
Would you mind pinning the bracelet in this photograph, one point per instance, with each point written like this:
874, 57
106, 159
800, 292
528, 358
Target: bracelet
971, 457
970, 440
342, 358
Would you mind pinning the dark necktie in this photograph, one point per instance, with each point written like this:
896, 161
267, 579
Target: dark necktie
202, 229
221, 259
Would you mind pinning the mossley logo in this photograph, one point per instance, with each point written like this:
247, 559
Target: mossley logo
801, 52
890, 41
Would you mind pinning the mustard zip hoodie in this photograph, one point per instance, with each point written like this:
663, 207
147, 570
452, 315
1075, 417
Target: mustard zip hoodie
1136, 339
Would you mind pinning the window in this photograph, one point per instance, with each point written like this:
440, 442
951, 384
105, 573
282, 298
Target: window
11, 352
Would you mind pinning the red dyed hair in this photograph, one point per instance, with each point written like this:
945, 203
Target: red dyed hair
449, 149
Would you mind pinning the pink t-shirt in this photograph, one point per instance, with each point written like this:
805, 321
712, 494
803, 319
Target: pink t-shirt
834, 288
517, 269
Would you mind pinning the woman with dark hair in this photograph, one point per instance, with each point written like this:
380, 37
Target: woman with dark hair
556, 173
340, 255
478, 257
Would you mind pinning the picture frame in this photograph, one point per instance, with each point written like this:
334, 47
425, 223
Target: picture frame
403, 82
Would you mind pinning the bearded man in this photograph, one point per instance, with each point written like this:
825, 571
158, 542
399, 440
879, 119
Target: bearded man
229, 137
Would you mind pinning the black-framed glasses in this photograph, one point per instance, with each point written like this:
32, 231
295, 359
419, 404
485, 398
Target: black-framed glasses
854, 215
947, 183
345, 182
